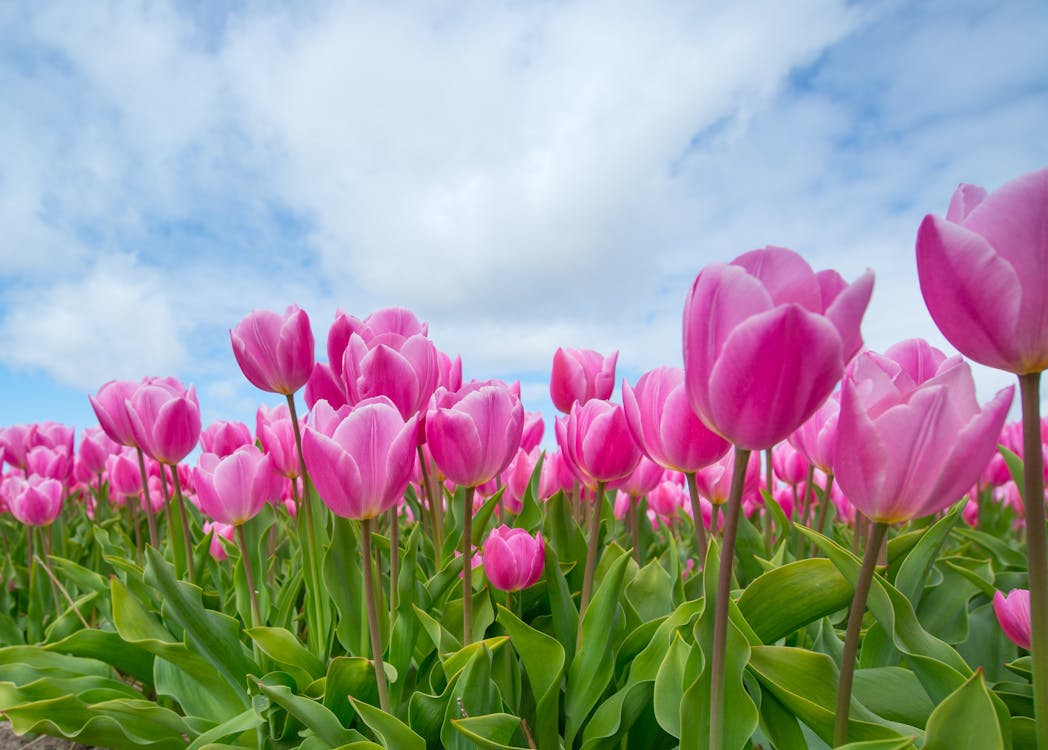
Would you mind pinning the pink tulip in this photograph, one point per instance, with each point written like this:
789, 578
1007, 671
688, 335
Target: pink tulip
790, 465
360, 459
110, 405
450, 372
234, 489
664, 425
165, 419
970, 514
579, 375
219, 531
36, 501
983, 271
474, 432
646, 475
95, 448
405, 370
51, 435
513, 559
597, 441
52, 463
275, 352
816, 439
667, 499
396, 320
222, 438
13, 444
324, 385
534, 428
555, 476
714, 481
517, 477
125, 479
908, 447
1013, 614
765, 342
276, 431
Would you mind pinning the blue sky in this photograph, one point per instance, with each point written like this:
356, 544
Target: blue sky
522, 175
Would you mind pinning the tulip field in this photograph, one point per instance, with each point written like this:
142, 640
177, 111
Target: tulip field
791, 542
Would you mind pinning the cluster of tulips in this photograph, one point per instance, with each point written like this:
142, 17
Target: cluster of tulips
630, 568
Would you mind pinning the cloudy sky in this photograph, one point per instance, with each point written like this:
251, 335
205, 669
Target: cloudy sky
523, 175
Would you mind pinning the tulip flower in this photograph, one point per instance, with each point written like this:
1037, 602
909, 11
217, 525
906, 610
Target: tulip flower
110, 405
534, 428
222, 438
403, 369
95, 447
983, 270
1013, 614
765, 342
275, 352
13, 444
234, 488
473, 434
513, 558
219, 531
911, 441
395, 320
517, 477
275, 430
361, 460
53, 463
579, 375
36, 501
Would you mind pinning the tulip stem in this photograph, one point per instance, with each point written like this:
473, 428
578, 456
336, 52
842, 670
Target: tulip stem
633, 521
394, 562
249, 574
1033, 486
147, 503
184, 519
823, 509
467, 567
878, 533
436, 507
720, 614
696, 513
369, 596
304, 517
591, 551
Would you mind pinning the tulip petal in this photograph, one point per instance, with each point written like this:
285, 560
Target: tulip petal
785, 275
862, 456
847, 310
775, 370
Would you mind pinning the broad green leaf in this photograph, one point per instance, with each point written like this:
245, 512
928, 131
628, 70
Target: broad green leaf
109, 647
893, 693
286, 650
490, 731
562, 607
344, 582
914, 570
615, 716
903, 743
346, 676
669, 686
543, 660
594, 661
790, 597
967, 718
391, 731
651, 591
780, 724
474, 694
238, 724
310, 712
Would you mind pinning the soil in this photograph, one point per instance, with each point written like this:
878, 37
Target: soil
11, 741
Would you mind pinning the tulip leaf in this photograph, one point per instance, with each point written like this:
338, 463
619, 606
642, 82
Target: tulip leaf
780, 724
286, 650
346, 676
787, 598
311, 713
213, 635
914, 569
543, 660
474, 694
490, 731
669, 685
651, 591
1016, 468
483, 516
593, 666
109, 647
243, 722
967, 718
901, 743
563, 533
894, 694
390, 731
564, 613
616, 716
344, 582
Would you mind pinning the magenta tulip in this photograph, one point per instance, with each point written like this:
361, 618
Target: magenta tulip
95, 447
1013, 614
275, 352
51, 435
36, 501
474, 432
125, 480
513, 559
790, 465
664, 425
222, 438
165, 419
110, 405
361, 458
646, 475
579, 375
983, 271
517, 477
219, 531
598, 442
534, 428
909, 447
403, 369
234, 488
276, 432
396, 320
52, 463
765, 342
13, 444
714, 481
816, 439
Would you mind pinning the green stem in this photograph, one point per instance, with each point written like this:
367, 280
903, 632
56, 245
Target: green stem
851, 640
467, 567
147, 503
314, 610
184, 519
720, 615
245, 556
701, 542
591, 551
823, 510
633, 521
369, 596
394, 562
435, 498
1037, 557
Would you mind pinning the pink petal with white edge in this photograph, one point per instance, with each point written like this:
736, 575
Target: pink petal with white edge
773, 373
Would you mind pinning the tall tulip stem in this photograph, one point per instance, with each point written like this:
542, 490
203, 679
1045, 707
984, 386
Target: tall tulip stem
305, 518
184, 520
467, 567
1033, 485
720, 614
591, 550
245, 556
878, 531
147, 502
696, 512
369, 596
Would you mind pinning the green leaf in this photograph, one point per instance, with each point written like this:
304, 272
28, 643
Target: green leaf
780, 724
474, 694
651, 591
490, 731
285, 649
543, 660
344, 582
391, 731
967, 718
109, 647
594, 661
914, 570
239, 724
311, 713
893, 693
616, 716
346, 676
562, 607
903, 743
787, 598
1015, 468
669, 686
